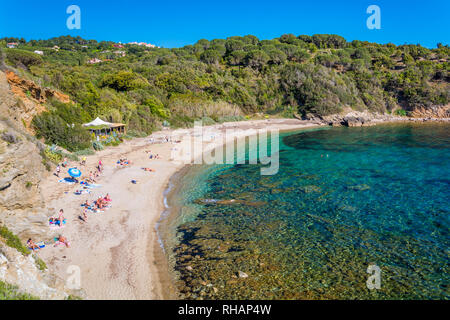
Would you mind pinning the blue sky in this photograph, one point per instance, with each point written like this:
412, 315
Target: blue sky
177, 23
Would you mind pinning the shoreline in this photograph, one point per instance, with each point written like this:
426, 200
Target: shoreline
173, 185
126, 259
118, 252
171, 212
200, 255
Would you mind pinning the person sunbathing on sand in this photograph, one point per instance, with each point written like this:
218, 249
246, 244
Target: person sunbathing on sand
149, 169
107, 198
63, 240
33, 246
99, 203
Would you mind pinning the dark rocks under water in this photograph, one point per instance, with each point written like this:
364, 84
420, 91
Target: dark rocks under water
344, 198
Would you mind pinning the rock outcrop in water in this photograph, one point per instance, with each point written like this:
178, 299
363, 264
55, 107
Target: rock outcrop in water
351, 118
440, 112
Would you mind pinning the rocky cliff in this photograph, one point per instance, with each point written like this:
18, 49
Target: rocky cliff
21, 169
30, 98
21, 204
432, 112
351, 118
22, 271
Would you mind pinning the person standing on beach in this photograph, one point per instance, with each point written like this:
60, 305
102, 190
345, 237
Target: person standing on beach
58, 170
61, 218
85, 210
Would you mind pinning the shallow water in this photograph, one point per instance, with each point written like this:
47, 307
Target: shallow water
344, 198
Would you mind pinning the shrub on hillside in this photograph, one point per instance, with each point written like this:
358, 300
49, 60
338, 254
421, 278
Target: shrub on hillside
55, 130
22, 58
10, 137
98, 146
123, 81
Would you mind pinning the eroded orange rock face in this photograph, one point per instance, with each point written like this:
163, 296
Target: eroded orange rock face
27, 89
30, 98
433, 112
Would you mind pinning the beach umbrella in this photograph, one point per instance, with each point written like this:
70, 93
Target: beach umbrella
74, 172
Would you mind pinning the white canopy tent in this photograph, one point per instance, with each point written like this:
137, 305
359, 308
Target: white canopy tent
99, 127
97, 122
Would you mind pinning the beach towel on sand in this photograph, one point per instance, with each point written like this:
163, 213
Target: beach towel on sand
67, 180
56, 224
80, 192
92, 185
40, 244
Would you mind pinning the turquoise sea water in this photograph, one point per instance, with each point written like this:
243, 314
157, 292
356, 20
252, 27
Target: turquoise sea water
344, 198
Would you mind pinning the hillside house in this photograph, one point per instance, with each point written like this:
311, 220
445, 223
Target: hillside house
94, 61
120, 53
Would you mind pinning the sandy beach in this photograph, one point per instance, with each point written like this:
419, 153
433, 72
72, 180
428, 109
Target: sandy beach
117, 251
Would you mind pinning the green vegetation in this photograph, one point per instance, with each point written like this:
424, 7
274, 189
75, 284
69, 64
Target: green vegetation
40, 263
223, 79
9, 292
400, 112
62, 126
13, 241
22, 58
